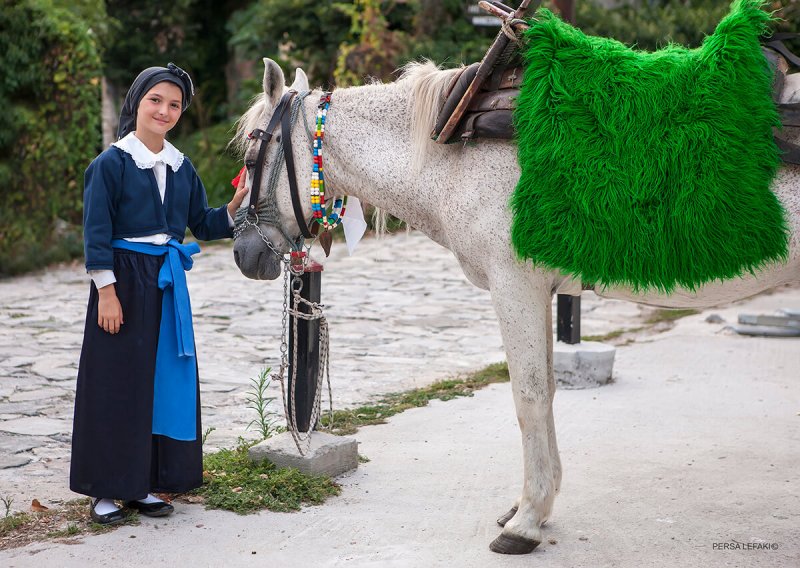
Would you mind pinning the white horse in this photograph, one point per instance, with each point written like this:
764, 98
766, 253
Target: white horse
377, 148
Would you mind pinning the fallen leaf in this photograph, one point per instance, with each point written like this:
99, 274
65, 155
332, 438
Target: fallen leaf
38, 507
237, 489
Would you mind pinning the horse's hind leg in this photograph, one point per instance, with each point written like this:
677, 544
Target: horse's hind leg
556, 461
523, 307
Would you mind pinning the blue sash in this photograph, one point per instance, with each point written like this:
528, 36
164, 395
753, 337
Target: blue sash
175, 386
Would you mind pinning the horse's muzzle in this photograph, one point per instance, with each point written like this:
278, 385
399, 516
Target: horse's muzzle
254, 258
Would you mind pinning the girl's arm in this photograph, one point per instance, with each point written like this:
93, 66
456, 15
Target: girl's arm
101, 177
206, 223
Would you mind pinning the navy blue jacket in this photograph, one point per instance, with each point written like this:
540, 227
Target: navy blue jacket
120, 200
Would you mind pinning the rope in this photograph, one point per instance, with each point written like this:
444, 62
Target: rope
303, 440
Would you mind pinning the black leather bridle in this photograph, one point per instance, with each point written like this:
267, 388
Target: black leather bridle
281, 115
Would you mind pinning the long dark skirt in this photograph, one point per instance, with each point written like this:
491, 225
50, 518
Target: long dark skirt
115, 455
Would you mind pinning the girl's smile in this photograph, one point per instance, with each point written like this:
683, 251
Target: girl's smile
158, 112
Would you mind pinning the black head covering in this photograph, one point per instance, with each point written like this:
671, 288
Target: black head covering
146, 80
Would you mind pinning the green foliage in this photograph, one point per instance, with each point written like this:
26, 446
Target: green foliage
652, 25
49, 130
189, 33
374, 50
259, 402
443, 34
231, 481
215, 162
670, 315
295, 33
347, 422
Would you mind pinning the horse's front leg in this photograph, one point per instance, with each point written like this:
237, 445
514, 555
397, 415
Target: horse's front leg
523, 306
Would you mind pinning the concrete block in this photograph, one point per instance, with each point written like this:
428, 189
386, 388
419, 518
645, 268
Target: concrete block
588, 364
329, 455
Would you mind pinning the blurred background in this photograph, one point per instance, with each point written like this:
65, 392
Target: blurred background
67, 64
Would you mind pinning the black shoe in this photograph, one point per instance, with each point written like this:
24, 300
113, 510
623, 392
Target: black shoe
112, 518
157, 509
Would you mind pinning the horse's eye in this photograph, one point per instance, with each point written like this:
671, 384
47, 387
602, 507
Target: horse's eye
250, 164
278, 139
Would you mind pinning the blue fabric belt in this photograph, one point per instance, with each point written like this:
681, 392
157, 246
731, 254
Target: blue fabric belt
175, 385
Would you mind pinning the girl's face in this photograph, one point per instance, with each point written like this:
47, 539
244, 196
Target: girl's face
160, 109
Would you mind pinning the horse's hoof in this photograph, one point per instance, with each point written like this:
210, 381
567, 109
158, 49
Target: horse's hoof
505, 544
507, 517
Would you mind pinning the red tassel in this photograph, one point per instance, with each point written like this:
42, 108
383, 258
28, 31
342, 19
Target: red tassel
235, 181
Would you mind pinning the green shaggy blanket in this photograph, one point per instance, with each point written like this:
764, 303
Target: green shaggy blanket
648, 169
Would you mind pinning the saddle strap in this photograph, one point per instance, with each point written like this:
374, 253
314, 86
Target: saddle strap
776, 42
790, 114
790, 153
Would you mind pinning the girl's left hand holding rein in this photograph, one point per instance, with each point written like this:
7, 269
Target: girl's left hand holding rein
109, 310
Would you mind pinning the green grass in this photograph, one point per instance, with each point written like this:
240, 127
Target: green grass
71, 530
234, 483
12, 522
65, 521
610, 335
670, 315
348, 421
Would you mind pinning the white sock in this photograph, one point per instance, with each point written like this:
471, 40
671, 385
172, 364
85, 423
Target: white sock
150, 499
105, 506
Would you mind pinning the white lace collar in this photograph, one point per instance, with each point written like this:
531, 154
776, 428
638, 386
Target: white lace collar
144, 158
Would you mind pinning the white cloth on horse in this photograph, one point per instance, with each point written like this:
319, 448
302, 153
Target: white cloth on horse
353, 223
146, 159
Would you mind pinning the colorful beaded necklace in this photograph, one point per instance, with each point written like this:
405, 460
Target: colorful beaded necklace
328, 221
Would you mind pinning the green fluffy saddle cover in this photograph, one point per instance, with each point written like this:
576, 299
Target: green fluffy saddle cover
649, 170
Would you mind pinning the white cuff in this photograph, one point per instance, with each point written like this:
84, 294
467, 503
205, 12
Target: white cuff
230, 219
102, 278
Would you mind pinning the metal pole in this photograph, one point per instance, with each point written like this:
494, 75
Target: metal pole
568, 313
568, 322
308, 350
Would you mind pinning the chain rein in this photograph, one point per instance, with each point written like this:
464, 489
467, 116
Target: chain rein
241, 223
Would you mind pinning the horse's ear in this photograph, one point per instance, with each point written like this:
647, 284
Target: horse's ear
300, 81
274, 83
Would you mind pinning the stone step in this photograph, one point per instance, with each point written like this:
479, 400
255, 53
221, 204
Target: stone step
770, 320
766, 330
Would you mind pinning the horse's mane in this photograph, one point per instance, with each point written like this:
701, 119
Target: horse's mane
248, 122
428, 85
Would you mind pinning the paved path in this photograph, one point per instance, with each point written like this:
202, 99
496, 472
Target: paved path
402, 315
694, 446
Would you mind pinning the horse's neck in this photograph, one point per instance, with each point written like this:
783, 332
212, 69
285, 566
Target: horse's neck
367, 154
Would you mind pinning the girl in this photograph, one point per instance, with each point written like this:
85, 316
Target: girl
137, 407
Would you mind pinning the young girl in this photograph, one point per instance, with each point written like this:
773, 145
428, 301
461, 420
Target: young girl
137, 405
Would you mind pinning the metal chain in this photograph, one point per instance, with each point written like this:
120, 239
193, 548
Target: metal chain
303, 440
268, 207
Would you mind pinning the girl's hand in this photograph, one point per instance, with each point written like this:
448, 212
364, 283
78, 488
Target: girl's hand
109, 310
238, 197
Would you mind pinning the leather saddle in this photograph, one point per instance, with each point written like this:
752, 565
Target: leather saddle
489, 108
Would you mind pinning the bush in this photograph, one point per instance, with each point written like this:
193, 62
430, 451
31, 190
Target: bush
49, 131
215, 163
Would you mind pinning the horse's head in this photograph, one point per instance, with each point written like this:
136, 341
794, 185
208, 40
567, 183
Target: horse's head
268, 231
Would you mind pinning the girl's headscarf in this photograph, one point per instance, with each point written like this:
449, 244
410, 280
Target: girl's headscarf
146, 80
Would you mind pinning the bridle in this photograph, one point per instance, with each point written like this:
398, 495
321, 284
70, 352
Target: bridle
286, 117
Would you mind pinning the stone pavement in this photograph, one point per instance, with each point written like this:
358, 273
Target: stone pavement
401, 315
